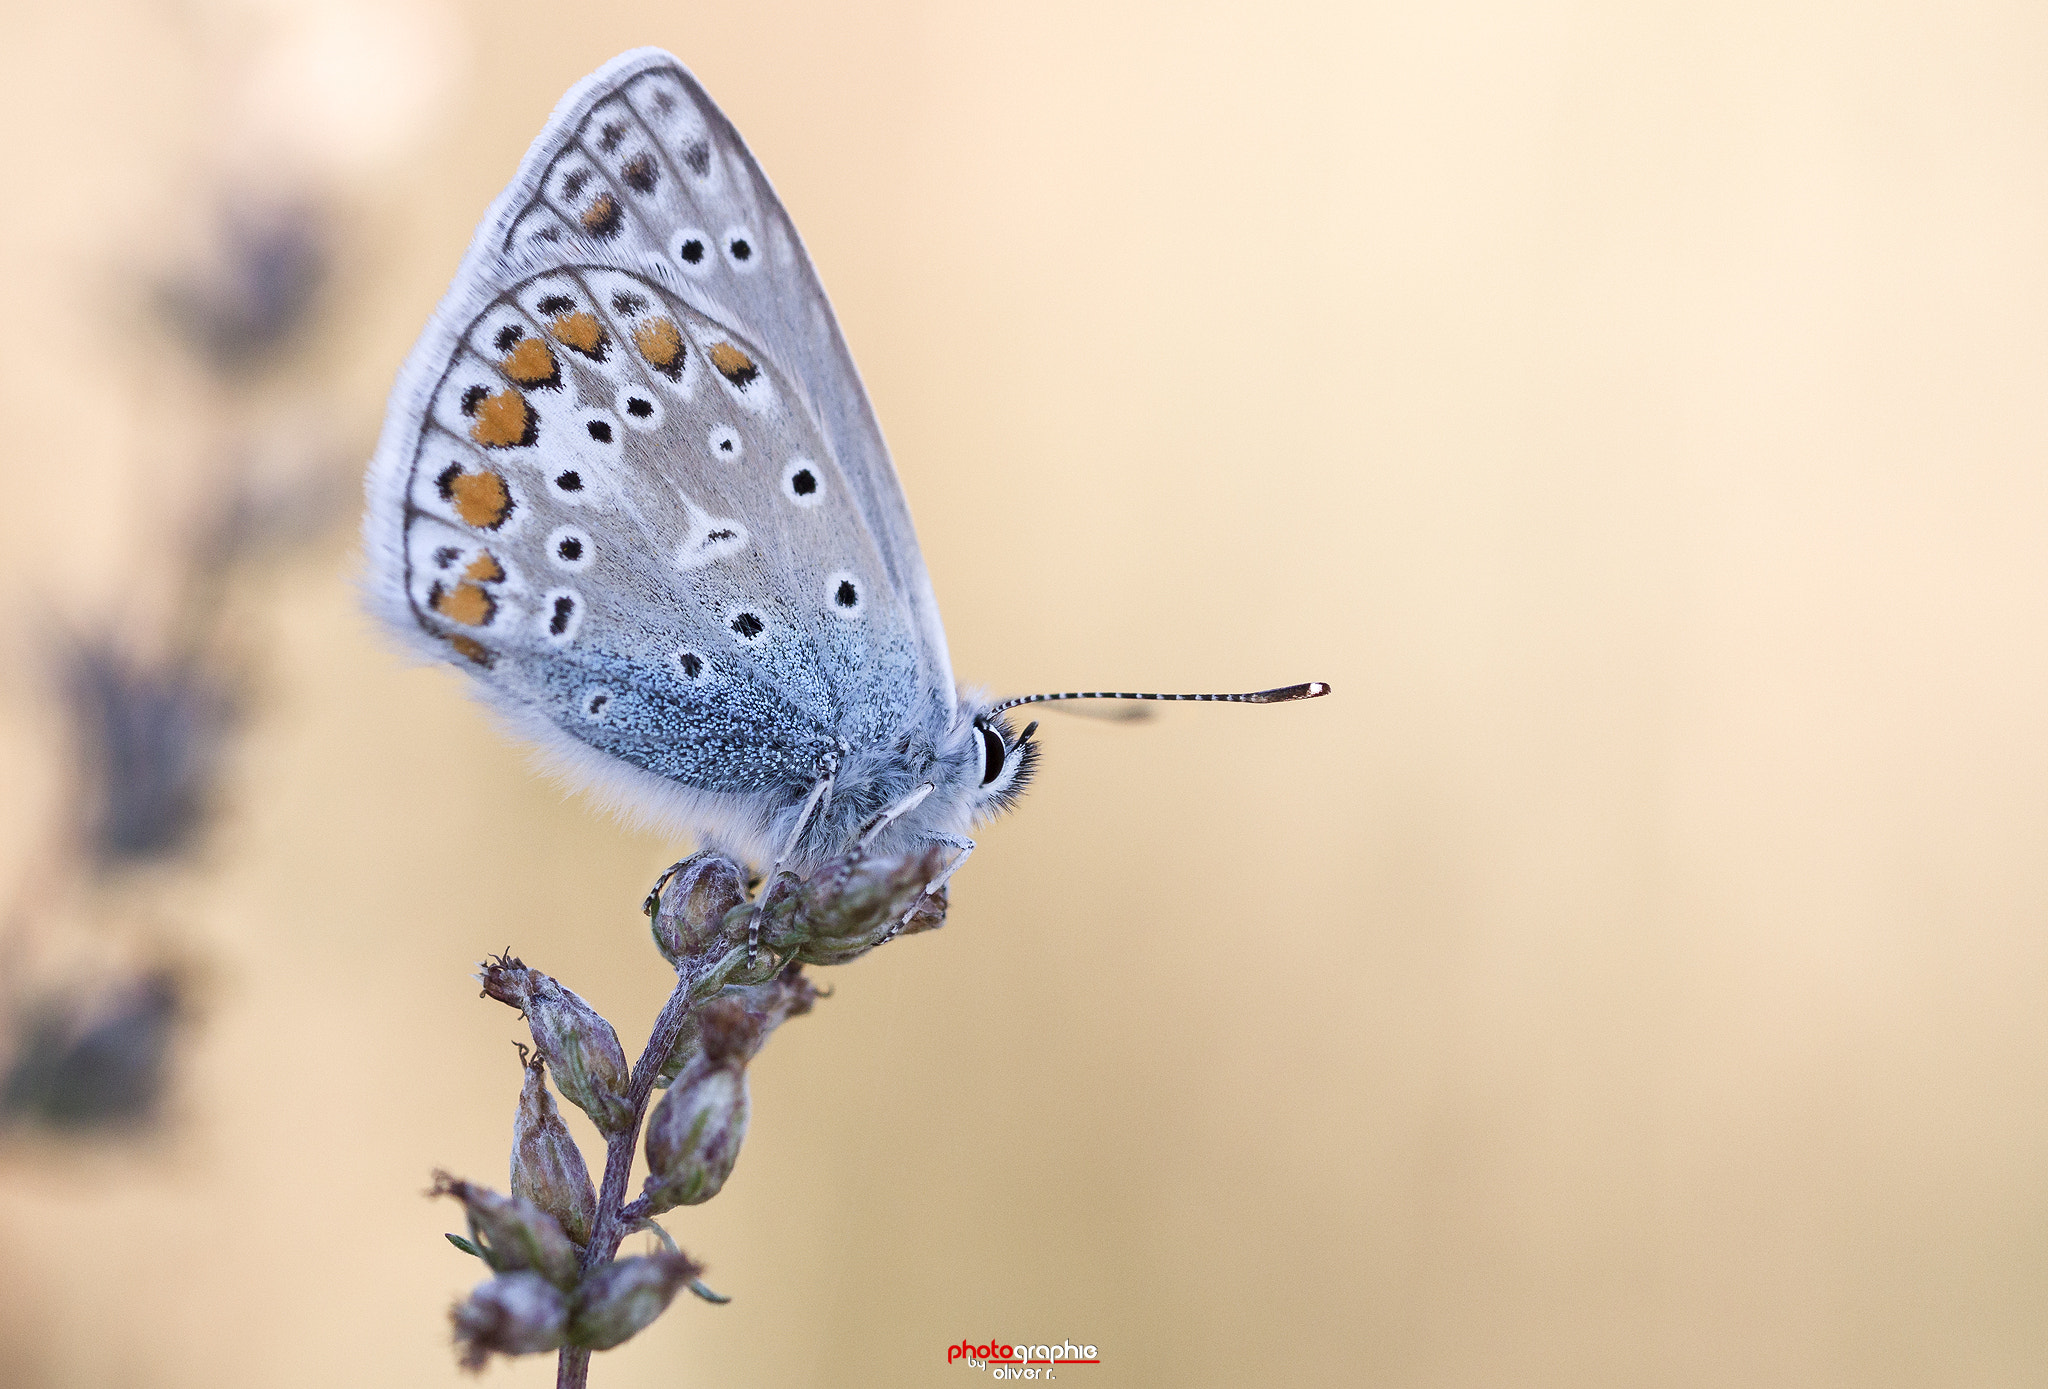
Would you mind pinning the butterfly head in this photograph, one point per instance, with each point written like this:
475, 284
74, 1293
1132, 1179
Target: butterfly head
996, 761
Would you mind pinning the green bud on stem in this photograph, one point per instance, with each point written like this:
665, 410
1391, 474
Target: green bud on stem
694, 1134
692, 905
853, 904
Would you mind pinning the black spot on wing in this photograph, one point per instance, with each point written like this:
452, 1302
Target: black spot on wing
641, 173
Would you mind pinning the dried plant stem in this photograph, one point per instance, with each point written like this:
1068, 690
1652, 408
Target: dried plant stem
615, 1220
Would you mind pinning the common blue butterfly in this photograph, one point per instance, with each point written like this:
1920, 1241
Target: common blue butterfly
629, 480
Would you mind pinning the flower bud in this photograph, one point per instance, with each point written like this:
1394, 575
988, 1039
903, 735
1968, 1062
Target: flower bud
547, 1166
855, 903
516, 1233
694, 1134
692, 905
513, 1314
580, 1046
616, 1301
768, 1005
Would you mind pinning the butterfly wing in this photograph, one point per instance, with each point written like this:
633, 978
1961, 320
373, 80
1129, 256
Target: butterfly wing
629, 478
640, 160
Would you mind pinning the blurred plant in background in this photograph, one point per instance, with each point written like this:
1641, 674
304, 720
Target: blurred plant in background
552, 1244
94, 987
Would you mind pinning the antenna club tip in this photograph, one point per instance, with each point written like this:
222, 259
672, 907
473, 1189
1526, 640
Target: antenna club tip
1317, 689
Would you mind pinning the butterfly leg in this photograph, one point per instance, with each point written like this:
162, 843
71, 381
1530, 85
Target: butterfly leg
882, 820
820, 794
951, 841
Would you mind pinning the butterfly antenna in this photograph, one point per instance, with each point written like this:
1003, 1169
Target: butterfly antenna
1314, 689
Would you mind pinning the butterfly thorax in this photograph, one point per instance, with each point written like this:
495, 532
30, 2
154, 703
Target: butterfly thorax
970, 779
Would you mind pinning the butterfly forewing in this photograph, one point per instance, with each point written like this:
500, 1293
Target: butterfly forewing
639, 161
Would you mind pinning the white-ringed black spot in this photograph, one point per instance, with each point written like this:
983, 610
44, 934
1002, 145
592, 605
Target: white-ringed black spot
570, 548
561, 614
844, 595
724, 443
740, 249
569, 480
599, 431
640, 407
508, 337
691, 249
553, 304
801, 484
747, 627
596, 701
710, 539
627, 303
690, 664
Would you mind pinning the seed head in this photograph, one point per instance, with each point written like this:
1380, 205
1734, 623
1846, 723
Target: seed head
580, 1046
512, 1314
547, 1167
516, 1234
616, 1301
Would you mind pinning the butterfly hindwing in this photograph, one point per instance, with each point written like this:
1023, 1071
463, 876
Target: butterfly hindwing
621, 518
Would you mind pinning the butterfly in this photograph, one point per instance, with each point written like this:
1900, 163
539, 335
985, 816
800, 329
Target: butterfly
630, 482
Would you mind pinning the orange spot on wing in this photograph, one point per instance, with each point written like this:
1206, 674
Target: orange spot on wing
602, 218
504, 421
661, 343
531, 364
485, 569
464, 603
733, 364
472, 648
481, 499
581, 331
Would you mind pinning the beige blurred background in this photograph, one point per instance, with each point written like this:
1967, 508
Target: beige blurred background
1635, 974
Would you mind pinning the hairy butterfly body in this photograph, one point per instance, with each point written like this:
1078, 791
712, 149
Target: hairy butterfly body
630, 481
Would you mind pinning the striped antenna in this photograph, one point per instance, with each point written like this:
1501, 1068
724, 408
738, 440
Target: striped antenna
1314, 689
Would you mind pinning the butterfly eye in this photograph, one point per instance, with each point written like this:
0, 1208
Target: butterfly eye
993, 753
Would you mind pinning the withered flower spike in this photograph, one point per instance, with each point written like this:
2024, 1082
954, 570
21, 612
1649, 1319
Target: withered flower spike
622, 1298
515, 1233
547, 1167
694, 1134
581, 1048
512, 1314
